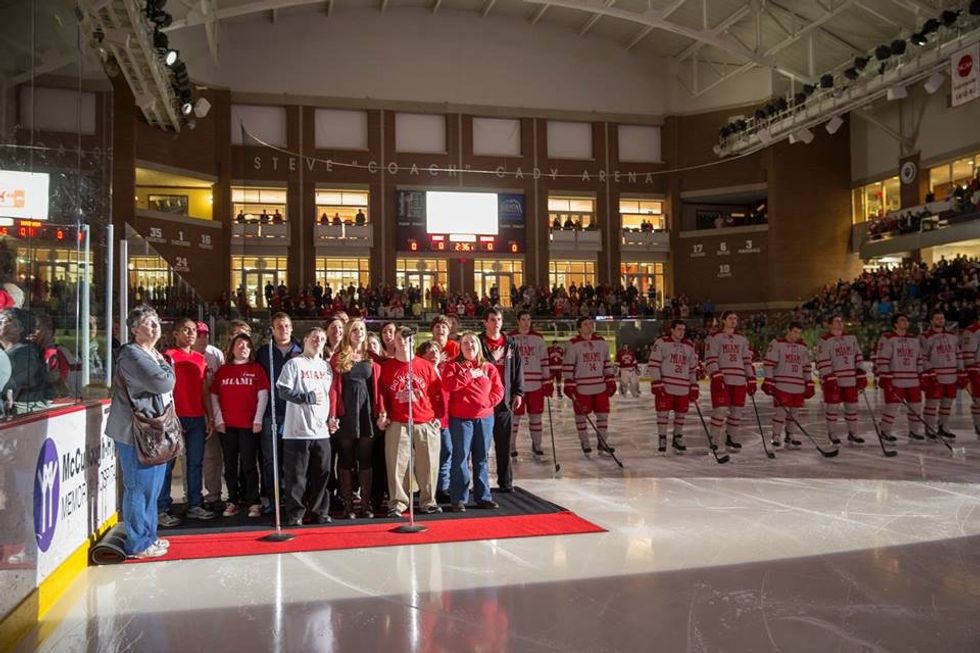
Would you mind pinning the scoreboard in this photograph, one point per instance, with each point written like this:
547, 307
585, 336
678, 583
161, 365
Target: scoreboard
413, 235
43, 231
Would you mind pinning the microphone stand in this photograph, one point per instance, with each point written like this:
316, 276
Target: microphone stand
279, 535
411, 526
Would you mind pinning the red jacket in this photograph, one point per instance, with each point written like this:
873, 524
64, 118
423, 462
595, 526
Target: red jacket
472, 397
393, 391
337, 389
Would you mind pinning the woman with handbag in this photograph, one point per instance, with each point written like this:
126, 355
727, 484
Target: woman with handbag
144, 389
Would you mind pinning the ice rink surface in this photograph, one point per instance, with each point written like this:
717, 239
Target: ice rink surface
859, 553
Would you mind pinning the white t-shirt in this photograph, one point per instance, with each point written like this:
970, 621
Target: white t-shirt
299, 377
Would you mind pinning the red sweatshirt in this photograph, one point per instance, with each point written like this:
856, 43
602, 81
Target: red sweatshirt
472, 397
427, 390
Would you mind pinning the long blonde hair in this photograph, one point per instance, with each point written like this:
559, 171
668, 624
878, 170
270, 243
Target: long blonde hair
346, 351
480, 360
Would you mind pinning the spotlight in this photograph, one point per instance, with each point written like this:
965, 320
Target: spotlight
799, 98
808, 89
930, 26
882, 52
949, 17
201, 107
898, 47
170, 58
897, 93
771, 110
918, 39
804, 136
851, 74
160, 40
834, 124
827, 81
186, 108
781, 105
860, 63
740, 124
934, 82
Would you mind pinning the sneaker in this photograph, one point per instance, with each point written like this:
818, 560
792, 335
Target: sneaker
166, 520
255, 510
442, 496
322, 519
854, 439
662, 444
230, 510
199, 512
677, 445
163, 544
430, 510
459, 506
505, 489
731, 444
394, 512
487, 504
268, 509
217, 505
152, 551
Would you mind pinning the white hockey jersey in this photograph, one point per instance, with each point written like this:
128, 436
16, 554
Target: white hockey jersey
900, 359
675, 363
586, 366
730, 355
941, 355
534, 354
839, 356
787, 366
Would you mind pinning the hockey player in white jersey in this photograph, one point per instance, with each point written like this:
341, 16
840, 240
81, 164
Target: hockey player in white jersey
589, 382
841, 378
673, 369
942, 372
898, 368
788, 381
537, 381
728, 360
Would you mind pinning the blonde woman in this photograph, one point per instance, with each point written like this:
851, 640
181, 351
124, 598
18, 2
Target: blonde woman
354, 402
473, 387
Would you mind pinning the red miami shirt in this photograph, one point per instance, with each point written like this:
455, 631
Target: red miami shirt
190, 370
238, 387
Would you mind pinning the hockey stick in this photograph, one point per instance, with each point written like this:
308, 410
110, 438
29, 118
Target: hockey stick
551, 425
931, 431
762, 434
722, 459
823, 452
602, 439
889, 453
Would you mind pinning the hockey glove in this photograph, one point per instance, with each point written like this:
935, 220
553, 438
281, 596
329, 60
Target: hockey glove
861, 377
717, 383
548, 388
657, 388
750, 386
809, 390
962, 380
569, 390
611, 387
830, 384
767, 387
927, 380
695, 392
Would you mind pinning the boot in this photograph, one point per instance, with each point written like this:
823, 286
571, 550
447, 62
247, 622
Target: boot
790, 440
365, 477
731, 444
946, 434
677, 444
854, 439
346, 481
662, 445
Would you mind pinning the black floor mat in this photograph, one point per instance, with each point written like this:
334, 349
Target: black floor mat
518, 502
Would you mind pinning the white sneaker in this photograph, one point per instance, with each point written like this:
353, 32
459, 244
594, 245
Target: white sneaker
162, 543
152, 551
230, 510
255, 510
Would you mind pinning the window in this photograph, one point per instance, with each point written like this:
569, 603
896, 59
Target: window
341, 272
645, 276
943, 178
421, 273
148, 276
637, 213
876, 199
342, 205
173, 194
262, 205
503, 274
567, 273
571, 212
254, 274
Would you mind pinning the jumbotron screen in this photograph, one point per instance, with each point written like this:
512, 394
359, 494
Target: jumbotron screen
24, 195
460, 222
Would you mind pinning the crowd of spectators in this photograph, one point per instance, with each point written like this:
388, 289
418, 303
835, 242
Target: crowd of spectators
963, 202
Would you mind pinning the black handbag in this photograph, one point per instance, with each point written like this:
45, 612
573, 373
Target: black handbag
157, 439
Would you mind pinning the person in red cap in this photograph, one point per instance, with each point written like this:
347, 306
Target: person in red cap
213, 457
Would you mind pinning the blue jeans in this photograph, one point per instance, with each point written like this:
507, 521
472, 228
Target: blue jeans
445, 460
470, 435
141, 487
194, 432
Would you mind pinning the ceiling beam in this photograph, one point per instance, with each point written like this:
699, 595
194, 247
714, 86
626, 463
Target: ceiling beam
639, 36
436, 5
823, 30
718, 29
593, 20
539, 13
487, 7
382, 5
877, 14
195, 18
329, 8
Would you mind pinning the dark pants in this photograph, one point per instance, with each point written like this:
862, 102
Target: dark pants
240, 445
306, 468
379, 483
267, 467
501, 444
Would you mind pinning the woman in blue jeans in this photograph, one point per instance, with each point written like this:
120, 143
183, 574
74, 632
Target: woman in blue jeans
149, 381
474, 388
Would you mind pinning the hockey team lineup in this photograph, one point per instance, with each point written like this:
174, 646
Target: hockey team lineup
920, 375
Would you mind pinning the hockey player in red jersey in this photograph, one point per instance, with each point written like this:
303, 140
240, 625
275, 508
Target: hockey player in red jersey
788, 381
841, 378
589, 382
898, 368
628, 371
556, 354
537, 384
943, 372
729, 364
673, 368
